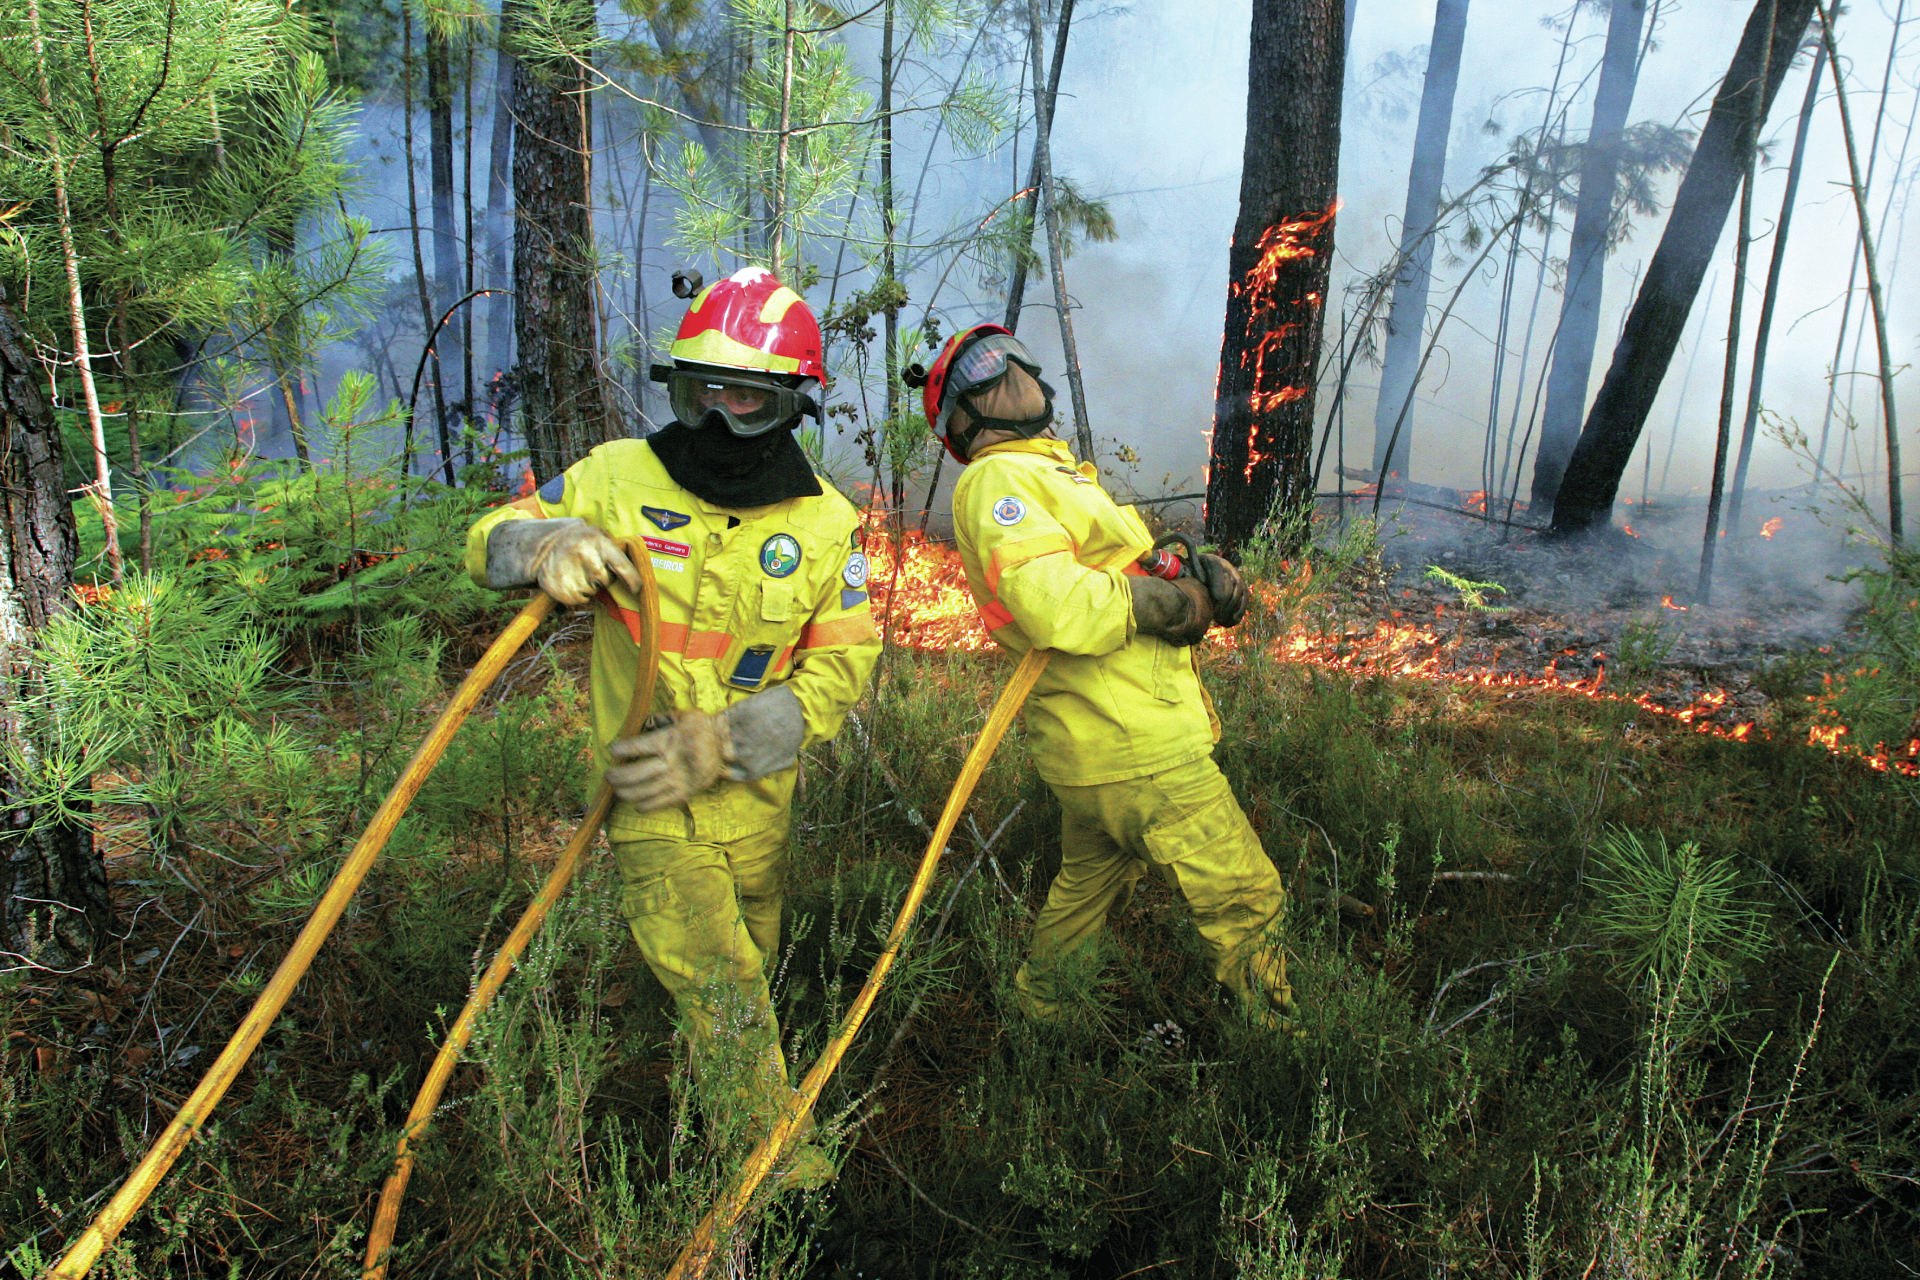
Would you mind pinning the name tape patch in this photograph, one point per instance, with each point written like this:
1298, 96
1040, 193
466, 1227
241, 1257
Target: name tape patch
665, 548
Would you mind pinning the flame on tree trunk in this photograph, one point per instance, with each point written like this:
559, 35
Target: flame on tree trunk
1260, 463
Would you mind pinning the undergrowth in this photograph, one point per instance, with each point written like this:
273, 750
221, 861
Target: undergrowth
1579, 997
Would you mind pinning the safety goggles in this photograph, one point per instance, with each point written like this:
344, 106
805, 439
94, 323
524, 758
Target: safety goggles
980, 366
751, 404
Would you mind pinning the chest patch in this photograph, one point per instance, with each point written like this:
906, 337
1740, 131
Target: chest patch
665, 520
855, 574
1073, 475
1009, 511
667, 548
779, 555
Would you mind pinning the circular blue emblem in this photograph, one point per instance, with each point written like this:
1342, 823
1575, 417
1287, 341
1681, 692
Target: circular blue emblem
1009, 511
779, 555
856, 572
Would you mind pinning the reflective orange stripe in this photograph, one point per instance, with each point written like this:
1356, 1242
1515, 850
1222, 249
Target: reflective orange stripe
529, 504
852, 629
675, 637
1009, 554
995, 615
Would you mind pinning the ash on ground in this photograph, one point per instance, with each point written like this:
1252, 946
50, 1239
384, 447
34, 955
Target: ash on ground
1620, 603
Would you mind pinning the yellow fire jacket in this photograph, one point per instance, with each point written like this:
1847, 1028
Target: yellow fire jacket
749, 598
1046, 553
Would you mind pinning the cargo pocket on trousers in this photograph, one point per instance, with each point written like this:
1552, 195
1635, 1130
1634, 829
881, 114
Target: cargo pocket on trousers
1216, 862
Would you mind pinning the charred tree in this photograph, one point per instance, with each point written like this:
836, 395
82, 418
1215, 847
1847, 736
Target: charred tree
1407, 315
1699, 214
54, 904
1771, 295
1587, 255
1260, 461
448, 265
563, 405
499, 226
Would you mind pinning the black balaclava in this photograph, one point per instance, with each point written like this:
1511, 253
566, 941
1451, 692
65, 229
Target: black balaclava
727, 470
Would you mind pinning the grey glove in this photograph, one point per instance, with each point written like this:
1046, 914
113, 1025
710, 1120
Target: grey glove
1225, 590
668, 766
1178, 612
568, 558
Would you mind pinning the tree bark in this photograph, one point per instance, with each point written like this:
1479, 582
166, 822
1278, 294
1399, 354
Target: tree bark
1260, 457
1407, 316
1694, 224
1017, 283
1764, 330
1587, 256
563, 404
1056, 247
54, 903
499, 224
446, 232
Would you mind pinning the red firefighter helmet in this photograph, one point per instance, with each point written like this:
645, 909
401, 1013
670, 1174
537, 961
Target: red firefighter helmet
746, 338
973, 360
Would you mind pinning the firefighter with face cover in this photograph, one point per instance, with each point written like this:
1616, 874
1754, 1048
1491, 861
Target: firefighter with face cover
1119, 724
766, 642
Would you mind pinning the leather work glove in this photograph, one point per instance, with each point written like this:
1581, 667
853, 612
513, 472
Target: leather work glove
1226, 593
668, 766
1225, 590
568, 558
1178, 612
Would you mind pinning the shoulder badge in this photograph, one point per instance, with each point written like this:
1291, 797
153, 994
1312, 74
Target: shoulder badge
664, 519
554, 490
1009, 511
780, 555
855, 574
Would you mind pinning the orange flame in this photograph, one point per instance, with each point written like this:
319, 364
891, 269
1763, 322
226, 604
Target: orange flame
1666, 602
920, 601
1771, 527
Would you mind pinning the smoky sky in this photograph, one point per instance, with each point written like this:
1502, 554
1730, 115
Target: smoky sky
1154, 116
1151, 119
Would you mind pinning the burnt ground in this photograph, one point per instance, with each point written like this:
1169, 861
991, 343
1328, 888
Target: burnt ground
1622, 612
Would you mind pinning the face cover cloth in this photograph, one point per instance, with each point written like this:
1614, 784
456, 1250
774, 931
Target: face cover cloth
735, 471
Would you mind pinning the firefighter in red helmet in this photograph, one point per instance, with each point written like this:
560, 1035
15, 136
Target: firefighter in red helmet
1119, 724
766, 642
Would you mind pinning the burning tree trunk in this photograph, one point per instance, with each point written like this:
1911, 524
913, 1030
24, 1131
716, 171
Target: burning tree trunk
1407, 317
1587, 255
54, 905
1699, 214
563, 405
1277, 269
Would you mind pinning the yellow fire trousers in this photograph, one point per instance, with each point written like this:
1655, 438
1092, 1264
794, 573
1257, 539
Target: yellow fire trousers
707, 918
1185, 824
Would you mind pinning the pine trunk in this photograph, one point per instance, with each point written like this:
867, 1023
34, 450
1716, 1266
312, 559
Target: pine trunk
1406, 318
563, 404
1587, 256
1260, 460
1699, 215
499, 225
447, 263
54, 903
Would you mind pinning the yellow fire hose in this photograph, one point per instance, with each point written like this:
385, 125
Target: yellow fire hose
387, 1217
185, 1125
693, 1260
